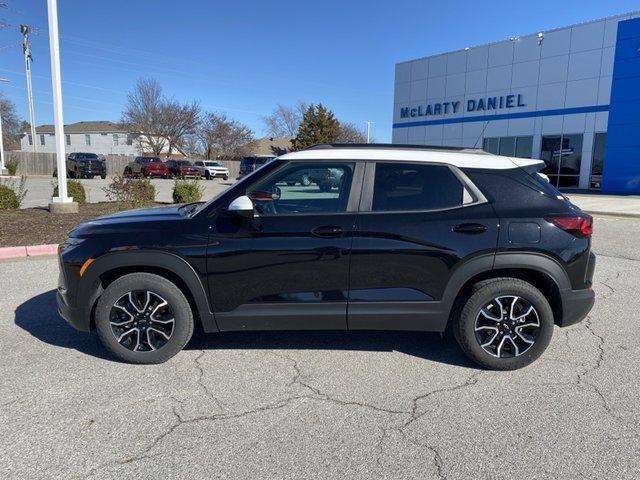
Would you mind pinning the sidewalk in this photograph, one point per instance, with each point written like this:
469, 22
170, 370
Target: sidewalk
619, 205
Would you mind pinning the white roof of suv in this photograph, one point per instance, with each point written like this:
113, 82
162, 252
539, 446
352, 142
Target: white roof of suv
459, 157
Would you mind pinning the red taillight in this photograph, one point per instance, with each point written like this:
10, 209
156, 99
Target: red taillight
580, 225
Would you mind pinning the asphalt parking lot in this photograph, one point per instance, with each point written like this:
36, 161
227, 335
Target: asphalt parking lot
322, 405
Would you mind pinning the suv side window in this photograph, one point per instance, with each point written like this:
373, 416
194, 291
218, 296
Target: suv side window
283, 192
411, 186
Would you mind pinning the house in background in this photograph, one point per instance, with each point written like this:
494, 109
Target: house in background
100, 137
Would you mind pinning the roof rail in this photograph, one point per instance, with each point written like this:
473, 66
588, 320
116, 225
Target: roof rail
398, 146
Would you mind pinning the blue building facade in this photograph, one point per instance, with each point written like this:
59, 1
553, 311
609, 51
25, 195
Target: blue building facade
569, 96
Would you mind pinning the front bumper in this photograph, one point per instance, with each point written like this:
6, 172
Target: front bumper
218, 174
75, 317
576, 305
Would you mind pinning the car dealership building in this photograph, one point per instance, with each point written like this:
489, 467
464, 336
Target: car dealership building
569, 96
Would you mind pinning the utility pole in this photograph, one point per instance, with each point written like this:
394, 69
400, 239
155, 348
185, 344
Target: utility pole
26, 50
62, 203
1, 138
368, 131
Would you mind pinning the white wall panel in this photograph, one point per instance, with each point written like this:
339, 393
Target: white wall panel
525, 74
477, 58
554, 69
556, 43
585, 64
437, 66
456, 62
526, 49
587, 37
419, 69
582, 93
455, 85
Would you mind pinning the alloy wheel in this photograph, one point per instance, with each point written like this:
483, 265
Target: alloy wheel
507, 326
142, 321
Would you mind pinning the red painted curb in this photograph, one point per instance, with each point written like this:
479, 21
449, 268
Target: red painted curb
13, 252
28, 251
33, 250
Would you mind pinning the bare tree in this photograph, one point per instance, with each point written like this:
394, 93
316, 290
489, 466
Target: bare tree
179, 121
222, 137
144, 115
10, 122
285, 120
350, 133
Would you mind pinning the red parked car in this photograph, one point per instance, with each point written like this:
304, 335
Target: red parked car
183, 168
146, 167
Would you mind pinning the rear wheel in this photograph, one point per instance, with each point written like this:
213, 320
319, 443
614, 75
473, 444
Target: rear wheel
504, 324
143, 318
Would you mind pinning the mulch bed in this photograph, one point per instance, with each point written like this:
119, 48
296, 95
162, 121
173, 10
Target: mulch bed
36, 226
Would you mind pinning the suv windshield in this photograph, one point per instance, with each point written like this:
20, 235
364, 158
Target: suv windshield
88, 156
184, 163
212, 164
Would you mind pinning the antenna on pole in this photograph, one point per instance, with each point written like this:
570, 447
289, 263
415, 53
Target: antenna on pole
475, 145
26, 50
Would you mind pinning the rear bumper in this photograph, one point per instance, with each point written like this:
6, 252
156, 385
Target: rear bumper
576, 305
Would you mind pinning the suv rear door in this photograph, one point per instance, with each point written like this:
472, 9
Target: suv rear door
418, 223
288, 267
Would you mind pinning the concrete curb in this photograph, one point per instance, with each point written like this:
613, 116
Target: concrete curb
28, 251
613, 214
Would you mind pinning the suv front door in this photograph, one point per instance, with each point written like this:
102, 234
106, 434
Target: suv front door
288, 267
418, 223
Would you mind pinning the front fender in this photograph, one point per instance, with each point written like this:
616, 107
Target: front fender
89, 285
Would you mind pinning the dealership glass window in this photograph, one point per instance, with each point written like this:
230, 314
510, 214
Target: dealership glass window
87, 139
562, 155
491, 145
509, 146
42, 140
597, 161
129, 139
67, 139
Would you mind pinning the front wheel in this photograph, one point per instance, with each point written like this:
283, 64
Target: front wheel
503, 324
143, 318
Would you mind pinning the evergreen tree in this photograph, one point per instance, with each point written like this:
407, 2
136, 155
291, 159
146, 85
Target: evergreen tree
318, 125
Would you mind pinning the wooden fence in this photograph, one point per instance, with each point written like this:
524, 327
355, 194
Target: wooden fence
30, 163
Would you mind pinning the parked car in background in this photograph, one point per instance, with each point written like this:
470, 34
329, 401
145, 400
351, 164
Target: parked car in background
183, 168
211, 169
325, 178
146, 167
253, 162
84, 165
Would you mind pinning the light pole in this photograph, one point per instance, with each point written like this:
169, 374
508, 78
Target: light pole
26, 50
62, 203
1, 138
369, 131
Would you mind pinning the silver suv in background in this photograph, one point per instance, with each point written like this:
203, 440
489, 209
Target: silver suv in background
212, 169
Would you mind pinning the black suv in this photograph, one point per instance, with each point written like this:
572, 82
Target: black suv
252, 163
422, 239
85, 165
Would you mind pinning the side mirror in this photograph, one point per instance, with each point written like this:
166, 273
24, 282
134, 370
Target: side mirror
242, 207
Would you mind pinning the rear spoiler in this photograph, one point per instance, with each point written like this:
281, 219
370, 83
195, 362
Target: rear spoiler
531, 166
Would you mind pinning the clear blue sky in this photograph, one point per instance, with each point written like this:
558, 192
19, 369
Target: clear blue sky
243, 57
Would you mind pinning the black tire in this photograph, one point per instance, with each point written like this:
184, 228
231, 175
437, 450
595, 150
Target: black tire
103, 177
468, 310
207, 175
180, 310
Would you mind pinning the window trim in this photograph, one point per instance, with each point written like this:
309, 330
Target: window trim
353, 200
468, 186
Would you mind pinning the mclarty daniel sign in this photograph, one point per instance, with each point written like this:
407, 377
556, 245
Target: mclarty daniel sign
471, 105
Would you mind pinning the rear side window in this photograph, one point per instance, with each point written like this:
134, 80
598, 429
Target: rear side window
410, 186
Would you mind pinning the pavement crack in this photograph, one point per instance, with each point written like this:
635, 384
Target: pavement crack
618, 257
203, 386
320, 395
588, 323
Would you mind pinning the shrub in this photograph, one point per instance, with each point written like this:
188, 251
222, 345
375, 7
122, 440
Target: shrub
75, 190
187, 191
131, 192
11, 195
12, 164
